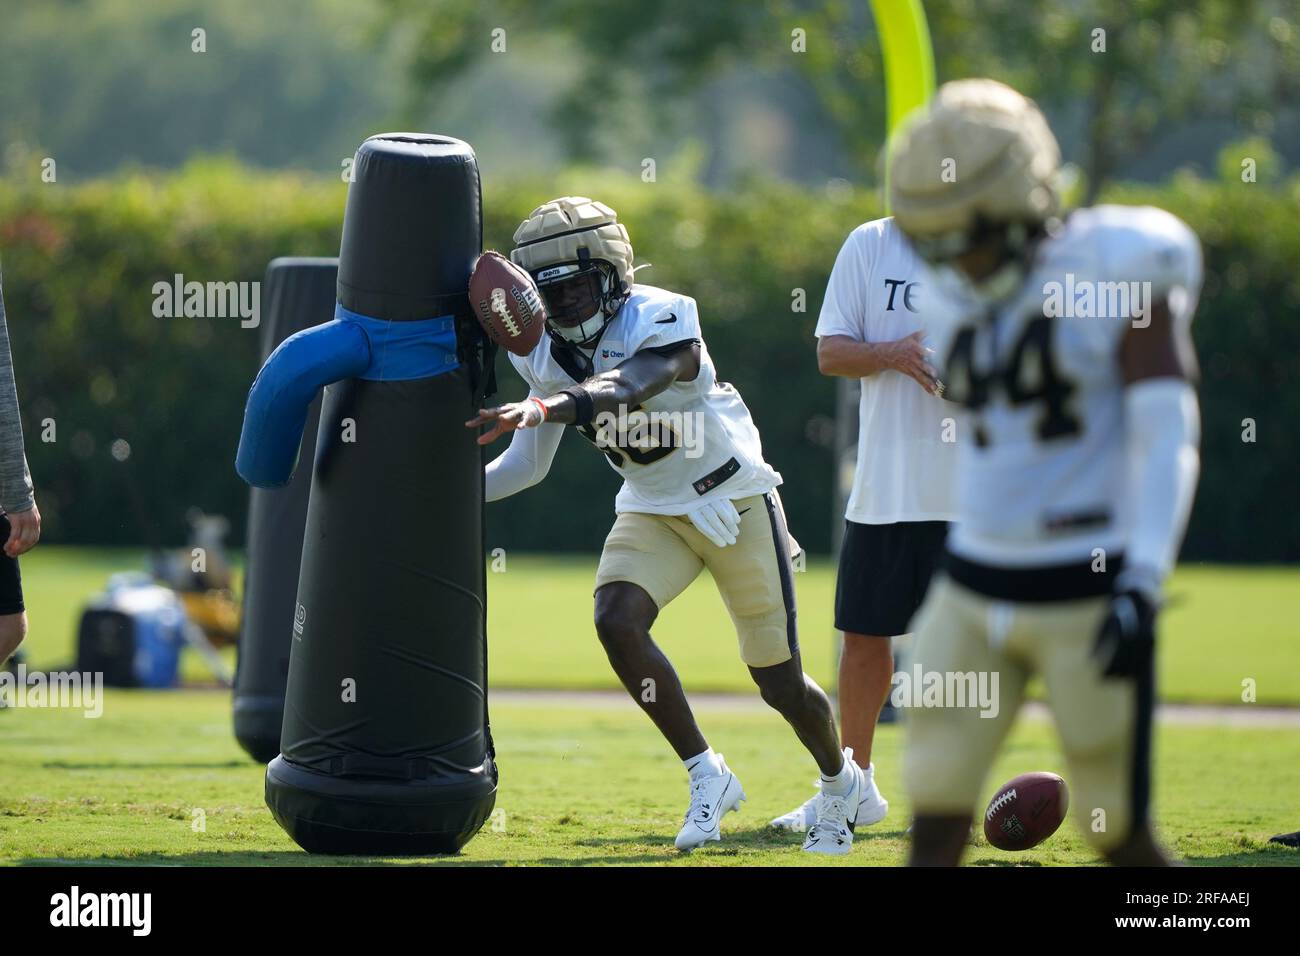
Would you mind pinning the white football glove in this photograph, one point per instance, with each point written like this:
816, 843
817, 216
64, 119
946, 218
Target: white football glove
717, 520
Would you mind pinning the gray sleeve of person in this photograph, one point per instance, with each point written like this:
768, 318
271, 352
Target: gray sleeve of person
15, 482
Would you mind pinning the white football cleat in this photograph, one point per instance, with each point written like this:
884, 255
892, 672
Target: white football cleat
837, 815
801, 817
872, 808
712, 797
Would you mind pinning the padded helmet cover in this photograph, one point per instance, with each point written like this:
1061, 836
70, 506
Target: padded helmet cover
558, 230
979, 151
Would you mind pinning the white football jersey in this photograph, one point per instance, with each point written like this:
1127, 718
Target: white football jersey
905, 469
1042, 467
693, 442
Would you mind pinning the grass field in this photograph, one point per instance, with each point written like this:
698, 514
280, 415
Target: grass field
1229, 625
588, 781
585, 784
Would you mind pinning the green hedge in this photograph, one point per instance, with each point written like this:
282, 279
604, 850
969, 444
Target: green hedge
80, 264
1247, 332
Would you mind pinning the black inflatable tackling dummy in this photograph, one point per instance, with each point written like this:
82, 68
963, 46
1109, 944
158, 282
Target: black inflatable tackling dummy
297, 293
385, 747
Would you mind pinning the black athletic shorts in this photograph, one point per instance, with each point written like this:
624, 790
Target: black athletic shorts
884, 572
11, 581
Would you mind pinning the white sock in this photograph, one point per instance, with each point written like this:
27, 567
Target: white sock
705, 764
841, 783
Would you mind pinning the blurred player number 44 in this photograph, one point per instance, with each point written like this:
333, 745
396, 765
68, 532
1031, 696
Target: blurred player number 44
506, 303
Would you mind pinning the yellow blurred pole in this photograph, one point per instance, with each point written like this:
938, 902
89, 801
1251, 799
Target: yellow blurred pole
909, 62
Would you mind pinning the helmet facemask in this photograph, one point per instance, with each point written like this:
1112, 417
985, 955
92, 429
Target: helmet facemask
581, 297
1012, 245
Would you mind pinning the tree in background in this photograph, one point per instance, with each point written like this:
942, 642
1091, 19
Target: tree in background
644, 70
786, 87
1124, 72
1114, 74
97, 86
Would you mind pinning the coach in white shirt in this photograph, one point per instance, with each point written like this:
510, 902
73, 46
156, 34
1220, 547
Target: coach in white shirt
902, 498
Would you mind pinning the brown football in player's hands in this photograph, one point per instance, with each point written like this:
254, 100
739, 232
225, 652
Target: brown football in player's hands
506, 302
1026, 811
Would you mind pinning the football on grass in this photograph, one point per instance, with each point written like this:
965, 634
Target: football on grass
506, 302
1026, 811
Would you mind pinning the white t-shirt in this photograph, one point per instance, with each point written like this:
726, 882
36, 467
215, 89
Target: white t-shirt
691, 443
905, 467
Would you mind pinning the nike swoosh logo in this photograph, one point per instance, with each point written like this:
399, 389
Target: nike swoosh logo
672, 317
746, 511
714, 818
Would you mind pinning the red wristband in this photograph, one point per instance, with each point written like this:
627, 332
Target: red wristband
538, 402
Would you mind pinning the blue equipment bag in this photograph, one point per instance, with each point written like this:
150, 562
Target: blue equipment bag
133, 633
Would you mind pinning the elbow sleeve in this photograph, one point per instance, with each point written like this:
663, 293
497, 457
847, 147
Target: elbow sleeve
1163, 433
524, 463
508, 474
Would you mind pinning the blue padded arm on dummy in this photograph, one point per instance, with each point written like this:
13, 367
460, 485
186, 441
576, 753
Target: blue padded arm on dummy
276, 412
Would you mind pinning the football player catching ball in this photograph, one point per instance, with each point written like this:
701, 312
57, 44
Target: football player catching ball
626, 366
